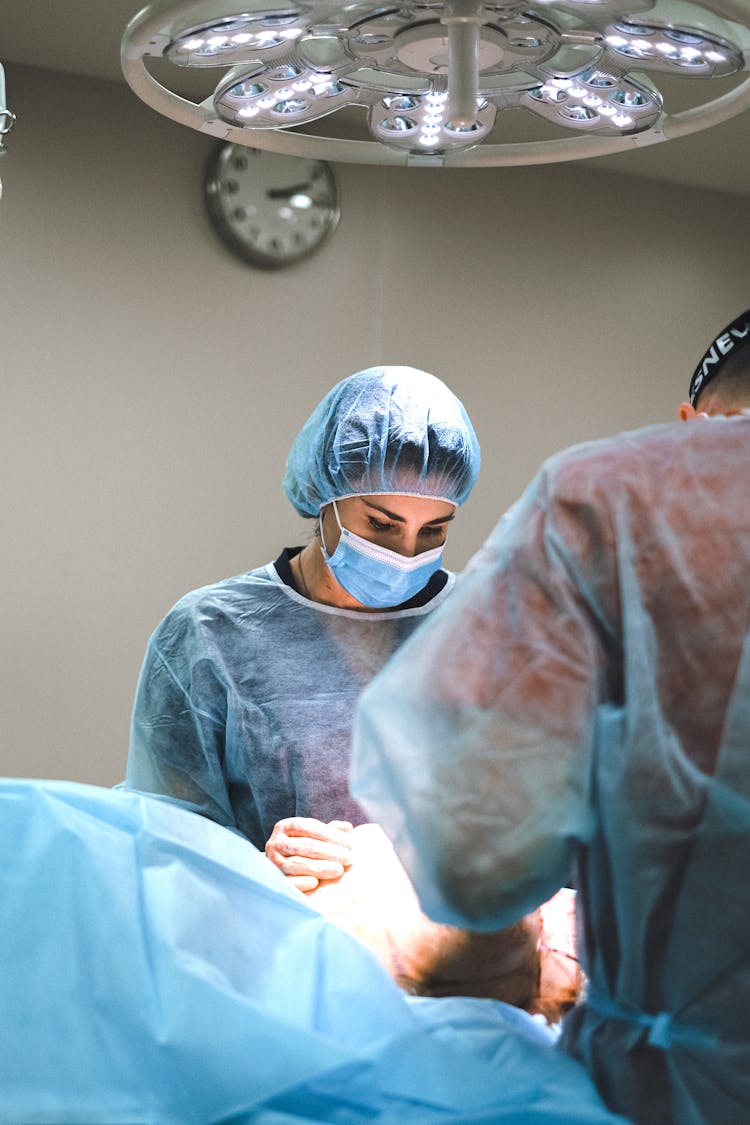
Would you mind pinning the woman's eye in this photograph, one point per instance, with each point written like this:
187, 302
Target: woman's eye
378, 525
431, 532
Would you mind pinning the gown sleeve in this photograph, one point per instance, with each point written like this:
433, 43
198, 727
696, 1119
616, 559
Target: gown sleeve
178, 731
472, 747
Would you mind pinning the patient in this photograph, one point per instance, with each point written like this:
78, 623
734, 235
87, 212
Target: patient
531, 964
159, 970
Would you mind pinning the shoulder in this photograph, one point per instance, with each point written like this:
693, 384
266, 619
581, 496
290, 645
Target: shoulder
592, 461
581, 493
206, 608
631, 468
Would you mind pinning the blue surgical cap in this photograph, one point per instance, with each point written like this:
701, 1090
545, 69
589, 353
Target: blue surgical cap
386, 430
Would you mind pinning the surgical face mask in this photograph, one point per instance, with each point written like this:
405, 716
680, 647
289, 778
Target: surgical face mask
375, 576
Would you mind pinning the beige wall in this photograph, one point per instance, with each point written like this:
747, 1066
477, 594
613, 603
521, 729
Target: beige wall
152, 384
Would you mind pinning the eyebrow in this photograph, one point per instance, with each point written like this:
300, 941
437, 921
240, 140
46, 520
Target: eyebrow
400, 519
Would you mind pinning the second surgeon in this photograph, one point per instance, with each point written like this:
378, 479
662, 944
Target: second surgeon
246, 698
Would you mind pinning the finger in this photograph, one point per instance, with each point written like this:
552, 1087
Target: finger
314, 849
304, 883
312, 829
344, 826
318, 868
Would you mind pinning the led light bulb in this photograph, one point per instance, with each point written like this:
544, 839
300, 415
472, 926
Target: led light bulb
621, 119
689, 37
578, 113
401, 102
398, 124
246, 90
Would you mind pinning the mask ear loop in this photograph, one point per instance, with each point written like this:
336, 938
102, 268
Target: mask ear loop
322, 536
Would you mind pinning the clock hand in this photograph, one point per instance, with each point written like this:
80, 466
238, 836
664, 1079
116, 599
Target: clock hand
287, 193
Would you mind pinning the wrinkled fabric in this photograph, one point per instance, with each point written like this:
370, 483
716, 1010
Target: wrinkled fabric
385, 430
585, 696
246, 699
158, 970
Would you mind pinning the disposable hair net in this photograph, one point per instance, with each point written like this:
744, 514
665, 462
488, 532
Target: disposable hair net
385, 430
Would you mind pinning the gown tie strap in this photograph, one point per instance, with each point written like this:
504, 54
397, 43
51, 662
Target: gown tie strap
664, 1030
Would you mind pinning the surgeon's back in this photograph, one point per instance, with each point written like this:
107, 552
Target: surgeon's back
583, 703
664, 873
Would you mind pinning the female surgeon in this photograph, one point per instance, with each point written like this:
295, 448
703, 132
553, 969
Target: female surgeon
246, 697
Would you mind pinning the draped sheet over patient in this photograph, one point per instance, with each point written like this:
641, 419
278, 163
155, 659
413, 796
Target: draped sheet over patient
158, 970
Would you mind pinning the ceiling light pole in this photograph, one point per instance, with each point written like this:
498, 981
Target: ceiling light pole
463, 20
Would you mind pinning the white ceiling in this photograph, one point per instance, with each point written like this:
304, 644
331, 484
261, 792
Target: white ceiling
84, 38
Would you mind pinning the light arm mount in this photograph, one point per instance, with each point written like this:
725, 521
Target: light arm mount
463, 20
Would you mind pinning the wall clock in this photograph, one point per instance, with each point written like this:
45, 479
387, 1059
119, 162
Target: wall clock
270, 209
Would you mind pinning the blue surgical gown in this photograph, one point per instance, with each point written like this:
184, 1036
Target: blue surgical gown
584, 698
246, 699
158, 970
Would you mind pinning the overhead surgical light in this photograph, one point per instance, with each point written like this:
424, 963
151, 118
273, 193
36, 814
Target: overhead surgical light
434, 79
7, 119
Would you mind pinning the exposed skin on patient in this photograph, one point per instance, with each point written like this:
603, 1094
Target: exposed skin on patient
531, 964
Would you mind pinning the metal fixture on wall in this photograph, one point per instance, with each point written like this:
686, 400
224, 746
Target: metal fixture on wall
435, 79
7, 119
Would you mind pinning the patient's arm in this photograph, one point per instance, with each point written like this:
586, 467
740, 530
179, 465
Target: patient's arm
375, 902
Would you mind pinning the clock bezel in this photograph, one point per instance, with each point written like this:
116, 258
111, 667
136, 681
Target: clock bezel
233, 238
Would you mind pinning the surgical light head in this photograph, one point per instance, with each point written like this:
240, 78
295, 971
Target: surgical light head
385, 430
432, 82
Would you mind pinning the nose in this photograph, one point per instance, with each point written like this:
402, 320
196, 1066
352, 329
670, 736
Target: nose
409, 546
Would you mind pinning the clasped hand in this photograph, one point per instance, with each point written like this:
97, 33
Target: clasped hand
310, 852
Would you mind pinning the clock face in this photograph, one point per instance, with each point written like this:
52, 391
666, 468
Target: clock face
270, 209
